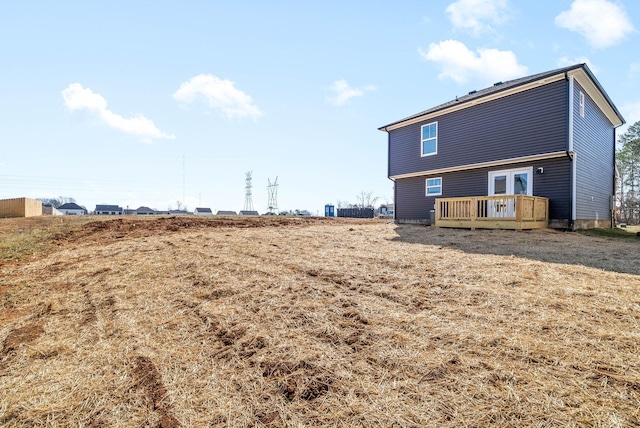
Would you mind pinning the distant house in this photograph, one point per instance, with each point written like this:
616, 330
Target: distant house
71, 208
249, 213
547, 137
145, 211
223, 212
385, 211
109, 210
203, 211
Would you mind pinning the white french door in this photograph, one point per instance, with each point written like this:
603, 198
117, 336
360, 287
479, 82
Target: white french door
518, 181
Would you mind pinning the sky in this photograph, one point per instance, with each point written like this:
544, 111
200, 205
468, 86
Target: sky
147, 103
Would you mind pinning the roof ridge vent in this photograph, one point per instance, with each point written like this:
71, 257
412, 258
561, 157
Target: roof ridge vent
497, 84
472, 92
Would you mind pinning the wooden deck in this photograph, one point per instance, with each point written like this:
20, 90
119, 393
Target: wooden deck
493, 212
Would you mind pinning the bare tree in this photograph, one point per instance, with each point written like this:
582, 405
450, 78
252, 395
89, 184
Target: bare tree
56, 202
366, 200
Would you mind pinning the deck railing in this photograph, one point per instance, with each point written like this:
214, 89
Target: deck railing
493, 212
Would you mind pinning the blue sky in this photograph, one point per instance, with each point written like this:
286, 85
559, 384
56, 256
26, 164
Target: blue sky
141, 102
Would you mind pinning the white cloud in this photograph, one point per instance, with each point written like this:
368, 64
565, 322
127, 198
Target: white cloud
221, 95
565, 62
631, 112
461, 64
344, 92
77, 97
602, 22
477, 15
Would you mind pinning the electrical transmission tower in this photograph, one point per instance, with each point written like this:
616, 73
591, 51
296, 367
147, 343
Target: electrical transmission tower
272, 188
248, 202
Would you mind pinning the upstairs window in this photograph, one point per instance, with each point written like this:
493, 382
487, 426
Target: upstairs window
429, 140
581, 105
434, 186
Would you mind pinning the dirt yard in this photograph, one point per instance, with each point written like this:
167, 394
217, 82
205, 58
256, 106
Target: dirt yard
181, 322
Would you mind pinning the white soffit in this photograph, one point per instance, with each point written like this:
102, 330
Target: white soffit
596, 95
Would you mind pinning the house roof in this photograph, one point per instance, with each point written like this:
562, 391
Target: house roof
108, 208
223, 212
70, 206
474, 97
203, 210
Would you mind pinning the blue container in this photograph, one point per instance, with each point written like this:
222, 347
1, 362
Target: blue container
329, 211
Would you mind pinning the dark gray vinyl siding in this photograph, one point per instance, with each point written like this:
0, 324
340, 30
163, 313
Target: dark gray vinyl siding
527, 123
593, 142
553, 183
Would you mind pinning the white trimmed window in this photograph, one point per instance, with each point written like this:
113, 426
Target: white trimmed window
581, 104
429, 139
434, 186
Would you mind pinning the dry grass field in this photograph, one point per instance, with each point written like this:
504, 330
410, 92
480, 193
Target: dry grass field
181, 322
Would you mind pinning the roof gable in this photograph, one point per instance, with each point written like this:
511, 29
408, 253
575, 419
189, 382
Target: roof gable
501, 89
70, 206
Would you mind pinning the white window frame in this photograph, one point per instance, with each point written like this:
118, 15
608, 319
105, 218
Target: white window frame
427, 187
422, 140
581, 104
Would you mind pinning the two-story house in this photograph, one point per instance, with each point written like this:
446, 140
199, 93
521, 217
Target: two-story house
550, 135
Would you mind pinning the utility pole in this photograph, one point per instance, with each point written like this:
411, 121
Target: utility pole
248, 201
272, 190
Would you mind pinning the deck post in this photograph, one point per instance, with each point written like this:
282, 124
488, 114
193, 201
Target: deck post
473, 212
518, 202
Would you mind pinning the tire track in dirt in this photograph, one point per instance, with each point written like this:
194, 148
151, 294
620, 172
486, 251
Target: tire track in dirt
89, 313
351, 326
27, 333
149, 379
24, 335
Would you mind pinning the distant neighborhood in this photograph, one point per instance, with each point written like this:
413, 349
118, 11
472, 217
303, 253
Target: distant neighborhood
72, 208
27, 207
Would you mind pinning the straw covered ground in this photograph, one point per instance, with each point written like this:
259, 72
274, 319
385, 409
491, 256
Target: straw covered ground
311, 322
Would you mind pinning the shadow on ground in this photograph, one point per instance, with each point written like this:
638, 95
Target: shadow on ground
544, 245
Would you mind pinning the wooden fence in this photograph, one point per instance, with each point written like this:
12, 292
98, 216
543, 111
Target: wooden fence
20, 207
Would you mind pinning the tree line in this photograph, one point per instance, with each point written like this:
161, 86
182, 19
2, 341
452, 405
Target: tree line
628, 173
